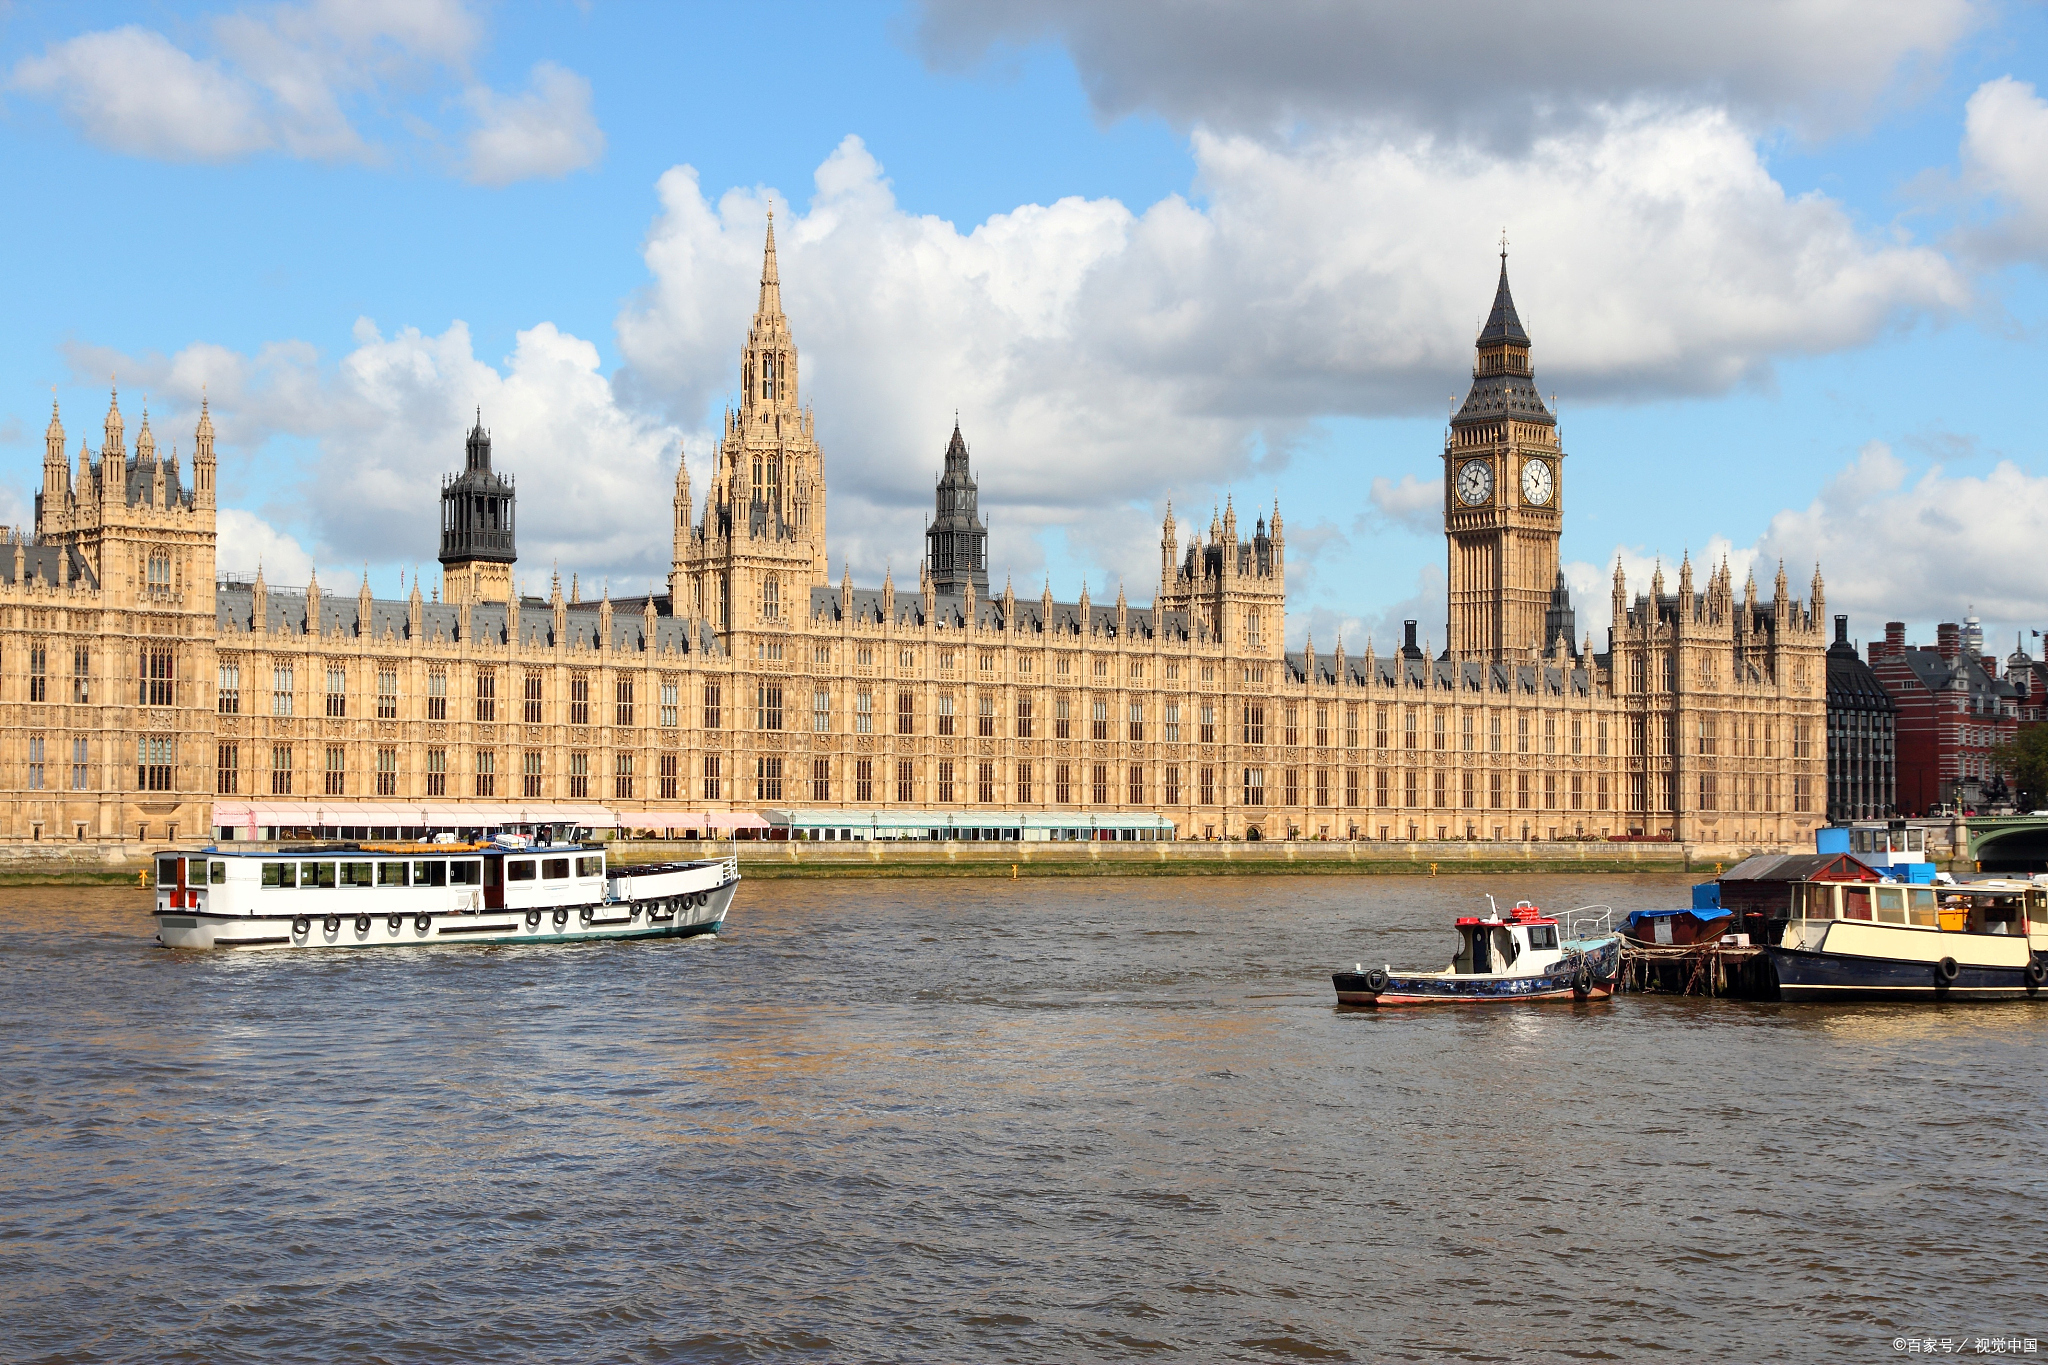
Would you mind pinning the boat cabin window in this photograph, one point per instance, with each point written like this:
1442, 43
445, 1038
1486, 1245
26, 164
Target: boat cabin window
520, 870
431, 873
590, 867
2001, 915
2037, 908
1891, 904
356, 874
391, 874
1921, 908
316, 874
281, 874
218, 872
166, 871
1855, 902
466, 872
554, 869
1543, 936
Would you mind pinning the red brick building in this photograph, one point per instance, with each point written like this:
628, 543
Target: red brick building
1953, 710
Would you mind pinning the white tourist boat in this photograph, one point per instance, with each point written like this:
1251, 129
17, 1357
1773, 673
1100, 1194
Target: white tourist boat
409, 895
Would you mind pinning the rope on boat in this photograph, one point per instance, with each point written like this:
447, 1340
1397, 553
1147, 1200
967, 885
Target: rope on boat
1704, 965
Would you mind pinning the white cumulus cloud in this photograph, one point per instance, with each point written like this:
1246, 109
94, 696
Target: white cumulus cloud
1103, 359
1413, 504
1895, 545
302, 79
132, 90
2005, 158
548, 131
362, 446
247, 543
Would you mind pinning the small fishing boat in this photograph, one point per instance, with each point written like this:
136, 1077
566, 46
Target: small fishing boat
1523, 954
411, 895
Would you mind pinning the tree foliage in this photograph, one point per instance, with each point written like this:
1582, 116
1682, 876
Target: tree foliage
2025, 763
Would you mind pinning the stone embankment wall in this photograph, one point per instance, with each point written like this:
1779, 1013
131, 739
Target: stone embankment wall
1097, 859
70, 863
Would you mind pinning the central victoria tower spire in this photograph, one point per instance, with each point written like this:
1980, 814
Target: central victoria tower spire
751, 562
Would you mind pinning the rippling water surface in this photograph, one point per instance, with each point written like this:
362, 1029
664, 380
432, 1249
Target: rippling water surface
986, 1121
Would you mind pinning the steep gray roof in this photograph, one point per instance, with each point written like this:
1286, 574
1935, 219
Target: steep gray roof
286, 613
44, 564
949, 612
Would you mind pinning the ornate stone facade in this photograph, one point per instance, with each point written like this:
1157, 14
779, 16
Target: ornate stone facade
753, 682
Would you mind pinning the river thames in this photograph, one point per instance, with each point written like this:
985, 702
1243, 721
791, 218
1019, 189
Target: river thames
1032, 1121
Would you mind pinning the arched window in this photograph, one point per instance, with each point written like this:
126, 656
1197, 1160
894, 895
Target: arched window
159, 571
771, 598
767, 374
1251, 628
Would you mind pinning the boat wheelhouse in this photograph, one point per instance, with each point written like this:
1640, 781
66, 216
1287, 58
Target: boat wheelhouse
1522, 954
1893, 847
364, 895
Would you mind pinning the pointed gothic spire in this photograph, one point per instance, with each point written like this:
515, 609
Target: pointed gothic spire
771, 282
113, 441
1503, 324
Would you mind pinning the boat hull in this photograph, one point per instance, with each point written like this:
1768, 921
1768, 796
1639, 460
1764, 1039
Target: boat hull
679, 912
1602, 967
1808, 975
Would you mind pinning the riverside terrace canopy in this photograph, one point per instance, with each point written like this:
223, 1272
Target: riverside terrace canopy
263, 819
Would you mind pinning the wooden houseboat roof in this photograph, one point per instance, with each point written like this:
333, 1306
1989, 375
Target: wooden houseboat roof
1801, 867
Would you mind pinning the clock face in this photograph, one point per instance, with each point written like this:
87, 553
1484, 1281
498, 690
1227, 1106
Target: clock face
1536, 484
1475, 482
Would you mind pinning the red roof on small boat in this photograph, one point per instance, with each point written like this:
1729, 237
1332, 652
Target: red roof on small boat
1522, 913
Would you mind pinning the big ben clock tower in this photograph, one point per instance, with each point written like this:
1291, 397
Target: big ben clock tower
1503, 489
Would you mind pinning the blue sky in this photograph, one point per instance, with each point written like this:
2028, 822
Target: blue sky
1782, 265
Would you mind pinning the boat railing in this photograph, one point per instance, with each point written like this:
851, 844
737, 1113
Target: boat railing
730, 869
1587, 921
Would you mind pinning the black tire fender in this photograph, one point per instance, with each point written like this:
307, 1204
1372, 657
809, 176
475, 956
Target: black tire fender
1376, 980
583, 915
1946, 971
392, 922
302, 926
1582, 984
2037, 974
332, 924
533, 919
362, 924
422, 922
561, 918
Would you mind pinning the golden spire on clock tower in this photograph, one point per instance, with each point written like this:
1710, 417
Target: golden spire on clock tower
1503, 487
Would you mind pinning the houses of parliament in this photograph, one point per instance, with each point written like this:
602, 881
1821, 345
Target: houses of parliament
144, 695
